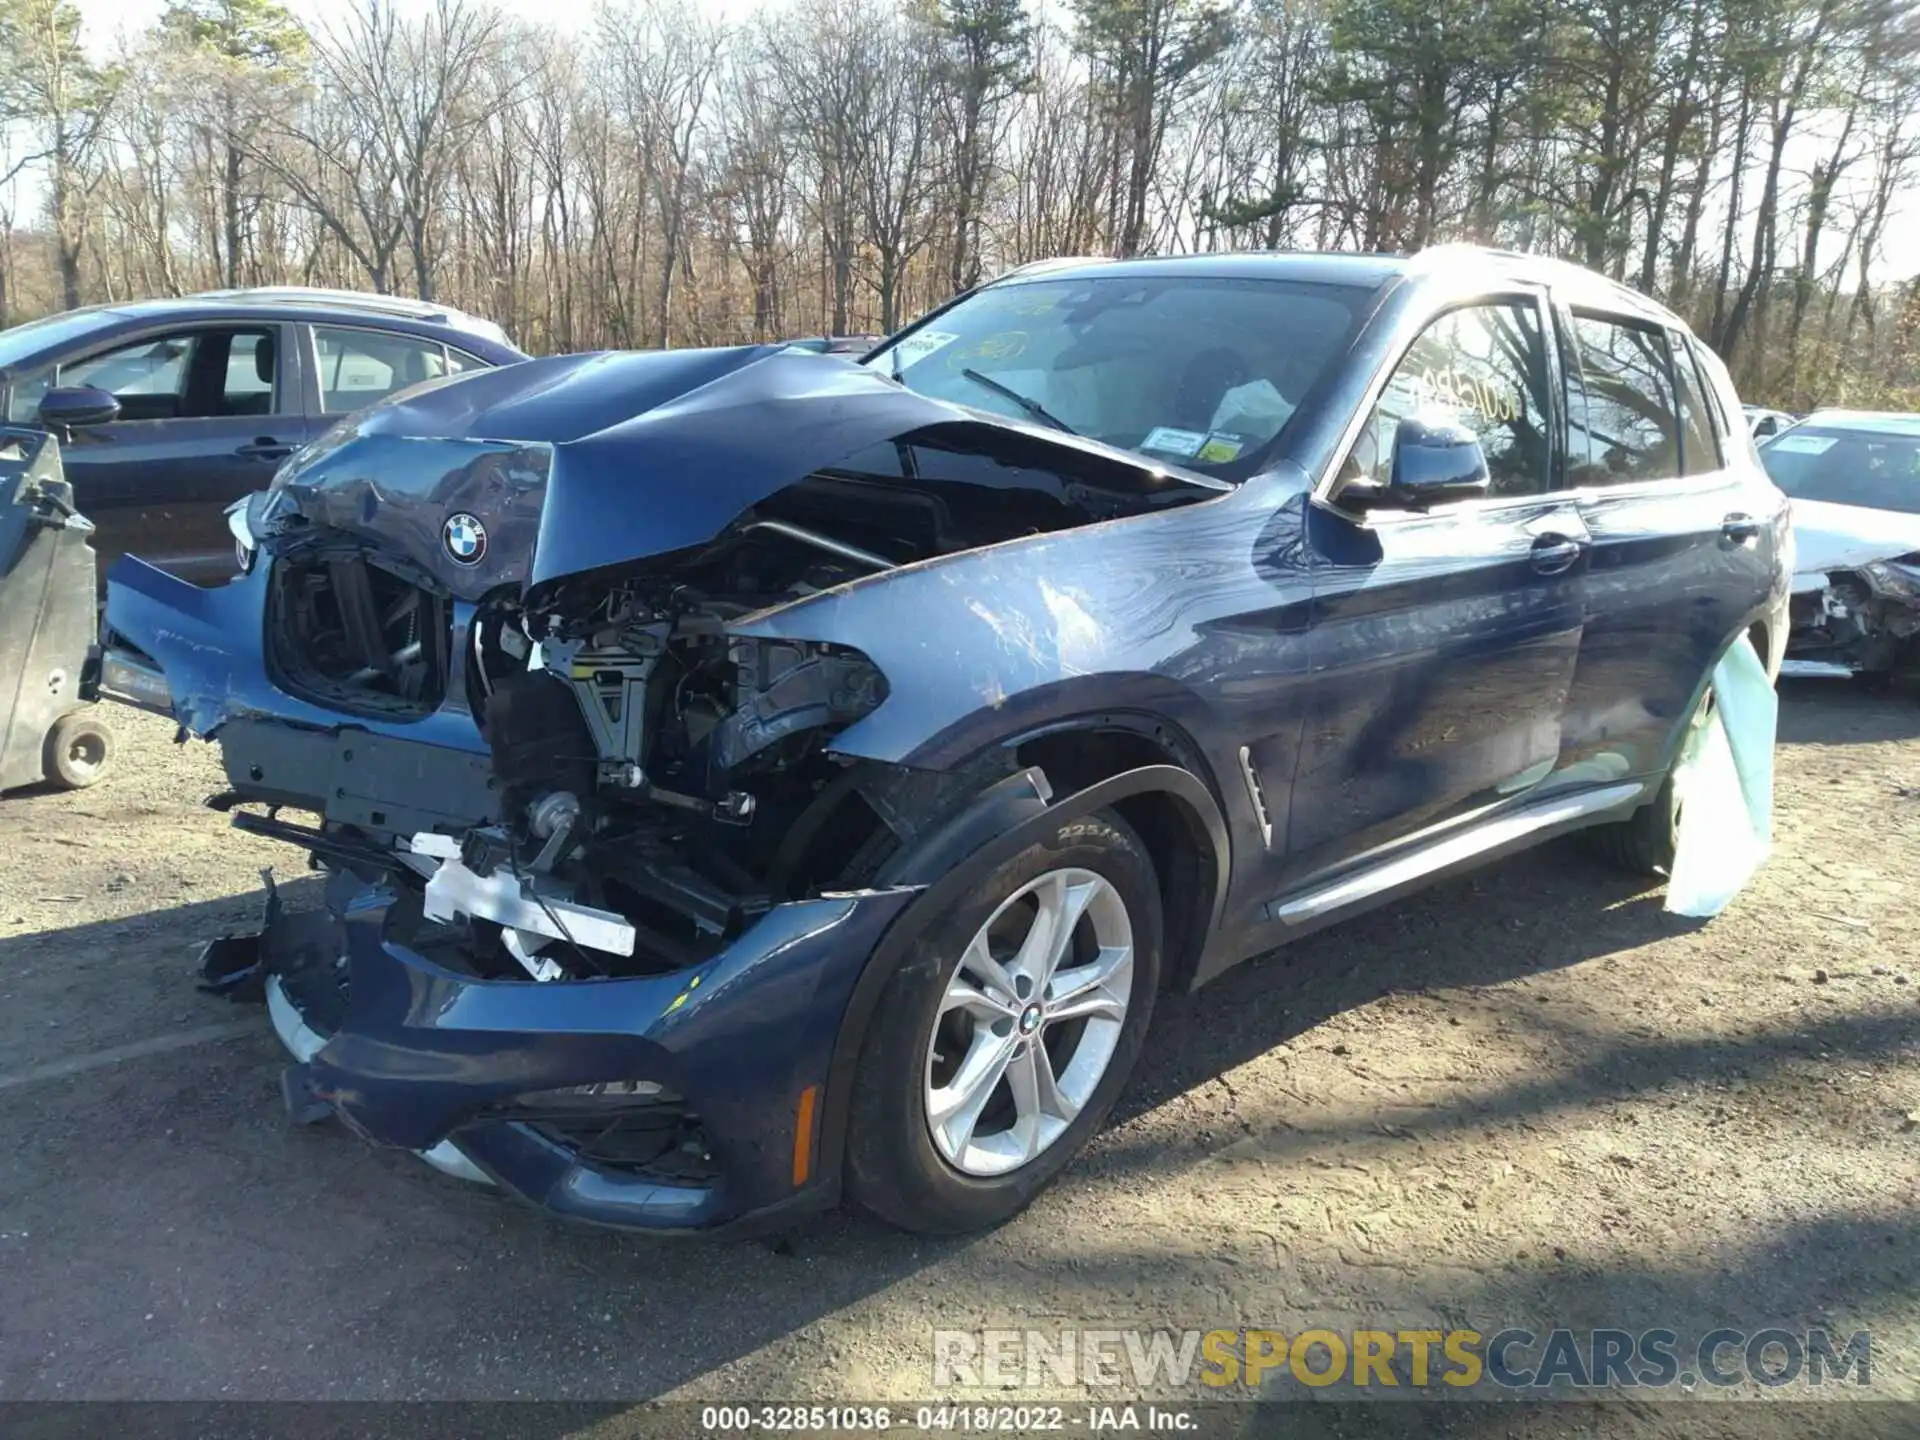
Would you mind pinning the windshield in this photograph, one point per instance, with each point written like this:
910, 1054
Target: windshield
1201, 371
1847, 467
23, 341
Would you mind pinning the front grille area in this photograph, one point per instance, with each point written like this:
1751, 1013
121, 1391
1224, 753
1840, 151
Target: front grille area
353, 637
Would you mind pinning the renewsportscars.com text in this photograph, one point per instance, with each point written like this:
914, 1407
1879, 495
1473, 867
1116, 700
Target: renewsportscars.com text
1513, 1358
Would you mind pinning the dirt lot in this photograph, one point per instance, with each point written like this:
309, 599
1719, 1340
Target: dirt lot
1526, 1098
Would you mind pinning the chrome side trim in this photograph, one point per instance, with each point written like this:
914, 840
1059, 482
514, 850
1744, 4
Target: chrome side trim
449, 1159
1442, 853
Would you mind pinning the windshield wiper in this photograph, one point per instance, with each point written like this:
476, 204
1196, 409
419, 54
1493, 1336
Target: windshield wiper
1032, 407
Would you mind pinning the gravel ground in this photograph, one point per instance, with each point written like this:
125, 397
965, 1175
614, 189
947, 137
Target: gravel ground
1528, 1097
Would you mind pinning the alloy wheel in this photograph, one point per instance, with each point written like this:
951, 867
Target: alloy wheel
1029, 1021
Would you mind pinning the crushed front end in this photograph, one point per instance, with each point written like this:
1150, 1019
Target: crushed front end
1862, 621
621, 999
602, 878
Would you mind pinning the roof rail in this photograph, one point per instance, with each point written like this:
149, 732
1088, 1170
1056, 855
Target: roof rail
321, 295
400, 305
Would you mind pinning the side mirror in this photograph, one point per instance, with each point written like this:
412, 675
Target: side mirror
1435, 459
69, 405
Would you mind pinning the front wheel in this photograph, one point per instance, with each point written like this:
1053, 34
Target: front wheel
1002, 1041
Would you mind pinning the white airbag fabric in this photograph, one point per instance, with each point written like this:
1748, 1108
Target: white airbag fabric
1724, 782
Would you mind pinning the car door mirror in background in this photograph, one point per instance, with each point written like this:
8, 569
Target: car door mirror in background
70, 405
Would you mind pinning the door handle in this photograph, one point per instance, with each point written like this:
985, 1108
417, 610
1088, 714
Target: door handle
1553, 553
1738, 529
265, 447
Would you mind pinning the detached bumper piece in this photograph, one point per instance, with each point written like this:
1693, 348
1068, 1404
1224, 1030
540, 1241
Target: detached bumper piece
674, 1102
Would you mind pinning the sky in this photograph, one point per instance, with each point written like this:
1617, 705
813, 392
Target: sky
104, 22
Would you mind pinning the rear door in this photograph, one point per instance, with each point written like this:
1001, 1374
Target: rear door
206, 414
1444, 643
1679, 557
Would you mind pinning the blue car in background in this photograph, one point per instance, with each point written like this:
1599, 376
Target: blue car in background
177, 408
751, 776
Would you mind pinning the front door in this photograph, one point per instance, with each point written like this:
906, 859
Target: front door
206, 414
1444, 643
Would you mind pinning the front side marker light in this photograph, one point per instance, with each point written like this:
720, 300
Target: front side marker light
803, 1128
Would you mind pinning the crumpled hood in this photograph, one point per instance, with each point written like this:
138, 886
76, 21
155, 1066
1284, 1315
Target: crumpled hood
481, 444
1830, 537
589, 461
675, 475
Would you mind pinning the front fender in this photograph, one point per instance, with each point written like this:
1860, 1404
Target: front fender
1164, 613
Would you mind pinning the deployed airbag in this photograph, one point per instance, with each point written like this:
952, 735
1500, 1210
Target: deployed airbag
1724, 783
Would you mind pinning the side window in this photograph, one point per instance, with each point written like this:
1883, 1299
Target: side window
1484, 366
1623, 429
193, 375
248, 383
148, 377
29, 389
358, 367
459, 362
1699, 445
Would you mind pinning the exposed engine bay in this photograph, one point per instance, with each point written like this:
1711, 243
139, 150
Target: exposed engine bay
662, 782
1864, 621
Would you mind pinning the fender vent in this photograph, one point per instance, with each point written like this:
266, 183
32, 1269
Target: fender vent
1255, 794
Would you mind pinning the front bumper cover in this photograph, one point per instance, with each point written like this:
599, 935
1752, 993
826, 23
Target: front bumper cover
424, 1058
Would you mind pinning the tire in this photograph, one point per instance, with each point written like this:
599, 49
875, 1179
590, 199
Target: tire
1645, 842
79, 749
984, 1171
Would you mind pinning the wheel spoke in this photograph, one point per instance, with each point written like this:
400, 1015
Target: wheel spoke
954, 1109
1098, 989
979, 962
1036, 1090
1059, 908
976, 1002
1012, 985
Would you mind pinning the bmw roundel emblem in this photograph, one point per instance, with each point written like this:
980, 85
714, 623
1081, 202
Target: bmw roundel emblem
465, 538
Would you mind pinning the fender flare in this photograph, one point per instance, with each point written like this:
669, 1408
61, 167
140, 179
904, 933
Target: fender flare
1004, 819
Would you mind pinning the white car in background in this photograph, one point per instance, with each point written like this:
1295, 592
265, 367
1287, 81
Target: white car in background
1854, 479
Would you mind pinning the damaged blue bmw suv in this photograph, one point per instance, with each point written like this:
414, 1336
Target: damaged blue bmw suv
751, 776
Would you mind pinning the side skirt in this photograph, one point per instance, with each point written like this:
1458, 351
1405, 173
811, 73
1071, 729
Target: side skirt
1293, 914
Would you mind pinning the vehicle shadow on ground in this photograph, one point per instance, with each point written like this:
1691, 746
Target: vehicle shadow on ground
1513, 919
